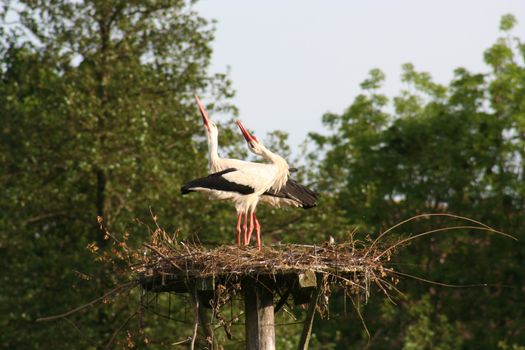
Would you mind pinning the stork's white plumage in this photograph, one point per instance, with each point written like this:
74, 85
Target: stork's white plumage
277, 163
247, 183
292, 194
243, 186
277, 179
243, 202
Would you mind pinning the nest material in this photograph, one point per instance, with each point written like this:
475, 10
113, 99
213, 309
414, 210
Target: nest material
350, 265
192, 260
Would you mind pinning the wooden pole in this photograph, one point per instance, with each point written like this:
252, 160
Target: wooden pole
258, 307
304, 341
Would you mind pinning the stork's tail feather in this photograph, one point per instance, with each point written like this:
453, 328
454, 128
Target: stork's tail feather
186, 189
305, 197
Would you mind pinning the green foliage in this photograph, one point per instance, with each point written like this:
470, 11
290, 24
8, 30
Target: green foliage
377, 77
504, 346
428, 330
456, 148
507, 22
98, 119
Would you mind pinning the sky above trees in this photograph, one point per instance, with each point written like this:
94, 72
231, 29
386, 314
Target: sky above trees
293, 61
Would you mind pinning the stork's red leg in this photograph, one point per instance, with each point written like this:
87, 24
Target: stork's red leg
239, 216
250, 231
245, 227
258, 231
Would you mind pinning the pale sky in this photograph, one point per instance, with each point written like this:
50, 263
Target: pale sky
294, 60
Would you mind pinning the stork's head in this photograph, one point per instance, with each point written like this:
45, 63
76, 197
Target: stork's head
253, 143
211, 128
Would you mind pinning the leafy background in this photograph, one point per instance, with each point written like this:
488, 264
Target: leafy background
98, 118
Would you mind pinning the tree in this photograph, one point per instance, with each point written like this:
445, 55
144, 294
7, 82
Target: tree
456, 148
98, 119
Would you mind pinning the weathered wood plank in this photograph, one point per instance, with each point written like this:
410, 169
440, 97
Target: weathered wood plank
304, 341
307, 279
258, 307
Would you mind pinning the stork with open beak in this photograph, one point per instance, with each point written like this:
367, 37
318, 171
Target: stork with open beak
284, 191
256, 147
280, 174
292, 194
242, 181
216, 163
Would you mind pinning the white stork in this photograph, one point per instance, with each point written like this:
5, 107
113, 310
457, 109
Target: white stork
244, 186
245, 183
292, 194
284, 191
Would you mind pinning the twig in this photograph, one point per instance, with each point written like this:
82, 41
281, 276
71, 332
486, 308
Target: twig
441, 230
304, 341
357, 309
65, 314
182, 341
117, 331
196, 326
448, 284
422, 216
161, 255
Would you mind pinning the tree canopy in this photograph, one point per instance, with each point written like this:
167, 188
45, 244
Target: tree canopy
97, 119
456, 148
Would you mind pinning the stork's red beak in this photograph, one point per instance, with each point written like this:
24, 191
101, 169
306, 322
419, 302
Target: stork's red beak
249, 138
205, 118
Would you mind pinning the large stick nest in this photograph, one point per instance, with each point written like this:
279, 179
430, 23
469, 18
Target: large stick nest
168, 264
351, 265
197, 261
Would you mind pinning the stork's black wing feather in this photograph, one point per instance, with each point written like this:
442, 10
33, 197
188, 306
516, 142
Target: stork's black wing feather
297, 192
216, 182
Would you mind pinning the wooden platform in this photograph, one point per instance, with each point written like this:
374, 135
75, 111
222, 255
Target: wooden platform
264, 295
265, 279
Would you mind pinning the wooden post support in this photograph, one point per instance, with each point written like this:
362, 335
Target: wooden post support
304, 341
258, 307
307, 279
201, 317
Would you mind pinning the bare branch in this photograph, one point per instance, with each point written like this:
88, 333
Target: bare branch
116, 290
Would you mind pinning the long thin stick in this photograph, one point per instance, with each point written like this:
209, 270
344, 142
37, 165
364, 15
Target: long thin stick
304, 341
358, 310
161, 255
65, 314
447, 284
440, 230
117, 331
421, 216
196, 326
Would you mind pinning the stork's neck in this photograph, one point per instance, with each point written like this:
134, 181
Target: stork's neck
281, 176
213, 151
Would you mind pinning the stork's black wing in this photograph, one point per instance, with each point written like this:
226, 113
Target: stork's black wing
216, 182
